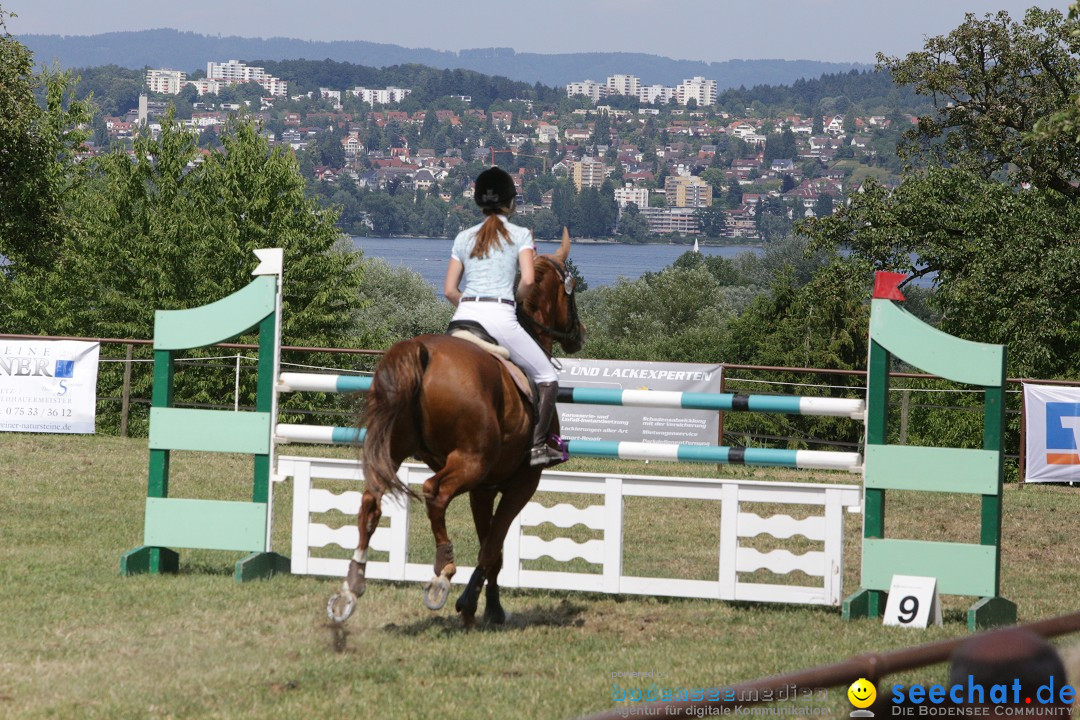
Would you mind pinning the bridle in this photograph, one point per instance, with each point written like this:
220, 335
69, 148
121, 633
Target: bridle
534, 327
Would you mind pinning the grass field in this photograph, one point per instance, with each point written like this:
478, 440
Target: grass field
77, 640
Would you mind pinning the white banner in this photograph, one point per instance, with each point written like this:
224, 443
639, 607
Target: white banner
1052, 433
48, 386
639, 424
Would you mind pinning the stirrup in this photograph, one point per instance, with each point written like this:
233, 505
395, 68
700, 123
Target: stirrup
545, 455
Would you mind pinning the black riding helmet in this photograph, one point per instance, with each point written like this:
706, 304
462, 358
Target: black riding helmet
494, 189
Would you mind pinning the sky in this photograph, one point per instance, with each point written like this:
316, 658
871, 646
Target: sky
709, 30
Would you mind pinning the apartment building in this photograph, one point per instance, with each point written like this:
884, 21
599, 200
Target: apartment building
234, 72
630, 194
590, 89
165, 80
697, 88
589, 172
664, 221
656, 94
206, 86
622, 85
381, 97
687, 192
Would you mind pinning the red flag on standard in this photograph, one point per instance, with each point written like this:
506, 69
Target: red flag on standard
886, 285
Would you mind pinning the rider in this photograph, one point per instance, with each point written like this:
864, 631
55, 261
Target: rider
489, 255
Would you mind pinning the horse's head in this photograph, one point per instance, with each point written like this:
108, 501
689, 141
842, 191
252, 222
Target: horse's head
550, 312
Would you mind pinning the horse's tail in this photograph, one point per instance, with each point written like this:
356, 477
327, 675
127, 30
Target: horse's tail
391, 401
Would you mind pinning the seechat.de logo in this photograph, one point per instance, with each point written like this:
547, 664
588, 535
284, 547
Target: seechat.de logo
1062, 431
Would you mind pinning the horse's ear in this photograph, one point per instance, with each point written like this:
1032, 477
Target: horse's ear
564, 250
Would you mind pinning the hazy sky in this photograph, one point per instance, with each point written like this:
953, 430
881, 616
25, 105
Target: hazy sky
835, 30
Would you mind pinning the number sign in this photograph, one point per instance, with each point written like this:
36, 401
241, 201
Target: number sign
913, 602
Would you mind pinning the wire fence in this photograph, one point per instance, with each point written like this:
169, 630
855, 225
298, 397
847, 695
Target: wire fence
926, 410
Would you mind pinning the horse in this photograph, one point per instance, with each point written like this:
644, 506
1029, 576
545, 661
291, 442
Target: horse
456, 407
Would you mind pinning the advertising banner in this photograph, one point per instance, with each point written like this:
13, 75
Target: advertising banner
48, 386
639, 424
1052, 433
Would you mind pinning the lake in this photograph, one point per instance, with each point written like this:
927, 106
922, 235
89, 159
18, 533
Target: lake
599, 263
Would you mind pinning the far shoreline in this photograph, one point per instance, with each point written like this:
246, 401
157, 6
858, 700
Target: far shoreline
588, 241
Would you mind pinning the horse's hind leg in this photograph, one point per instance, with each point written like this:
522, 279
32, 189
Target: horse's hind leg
482, 502
516, 494
367, 522
460, 472
355, 582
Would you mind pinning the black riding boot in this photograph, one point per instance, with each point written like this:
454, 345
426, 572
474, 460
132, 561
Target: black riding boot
542, 453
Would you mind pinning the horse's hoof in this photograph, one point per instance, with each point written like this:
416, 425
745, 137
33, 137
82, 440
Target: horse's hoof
436, 592
340, 606
495, 616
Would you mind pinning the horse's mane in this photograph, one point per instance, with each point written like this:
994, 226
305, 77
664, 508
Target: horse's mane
545, 266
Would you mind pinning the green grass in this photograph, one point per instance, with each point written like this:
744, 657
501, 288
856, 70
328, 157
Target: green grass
77, 640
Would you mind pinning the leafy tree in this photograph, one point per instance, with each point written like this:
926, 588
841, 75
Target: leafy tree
158, 235
991, 80
562, 201
396, 303
713, 220
734, 196
632, 225
38, 178
1005, 264
328, 150
676, 314
824, 206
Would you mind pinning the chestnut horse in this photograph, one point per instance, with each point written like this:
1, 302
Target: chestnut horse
454, 405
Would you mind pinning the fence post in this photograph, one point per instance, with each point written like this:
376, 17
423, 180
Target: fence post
905, 407
236, 386
125, 393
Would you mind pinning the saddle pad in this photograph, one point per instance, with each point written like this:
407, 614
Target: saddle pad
503, 355
497, 350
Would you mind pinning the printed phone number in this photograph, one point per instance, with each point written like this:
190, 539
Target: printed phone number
37, 412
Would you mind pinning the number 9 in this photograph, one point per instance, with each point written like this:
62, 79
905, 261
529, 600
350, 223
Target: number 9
909, 608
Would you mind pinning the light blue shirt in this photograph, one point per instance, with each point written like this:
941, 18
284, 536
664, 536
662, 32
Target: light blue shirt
491, 276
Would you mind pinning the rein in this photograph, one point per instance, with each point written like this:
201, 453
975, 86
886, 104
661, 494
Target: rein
534, 327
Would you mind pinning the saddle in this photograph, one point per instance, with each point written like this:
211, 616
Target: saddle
475, 333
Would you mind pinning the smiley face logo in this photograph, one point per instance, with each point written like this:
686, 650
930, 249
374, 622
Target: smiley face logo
862, 693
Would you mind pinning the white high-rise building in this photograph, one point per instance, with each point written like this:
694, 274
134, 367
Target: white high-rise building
589, 88
696, 88
656, 94
380, 97
235, 72
206, 86
165, 81
623, 85
630, 194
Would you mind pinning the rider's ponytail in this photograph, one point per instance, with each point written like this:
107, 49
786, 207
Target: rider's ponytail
487, 238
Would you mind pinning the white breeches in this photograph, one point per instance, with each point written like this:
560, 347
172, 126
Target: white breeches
501, 323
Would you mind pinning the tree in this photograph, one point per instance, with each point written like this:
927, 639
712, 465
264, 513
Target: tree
396, 303
991, 80
38, 178
632, 225
824, 206
1005, 264
157, 234
713, 220
329, 150
734, 195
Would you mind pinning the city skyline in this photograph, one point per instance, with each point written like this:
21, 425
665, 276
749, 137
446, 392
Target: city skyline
706, 30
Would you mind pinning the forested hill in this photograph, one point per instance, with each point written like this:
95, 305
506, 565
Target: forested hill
190, 51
